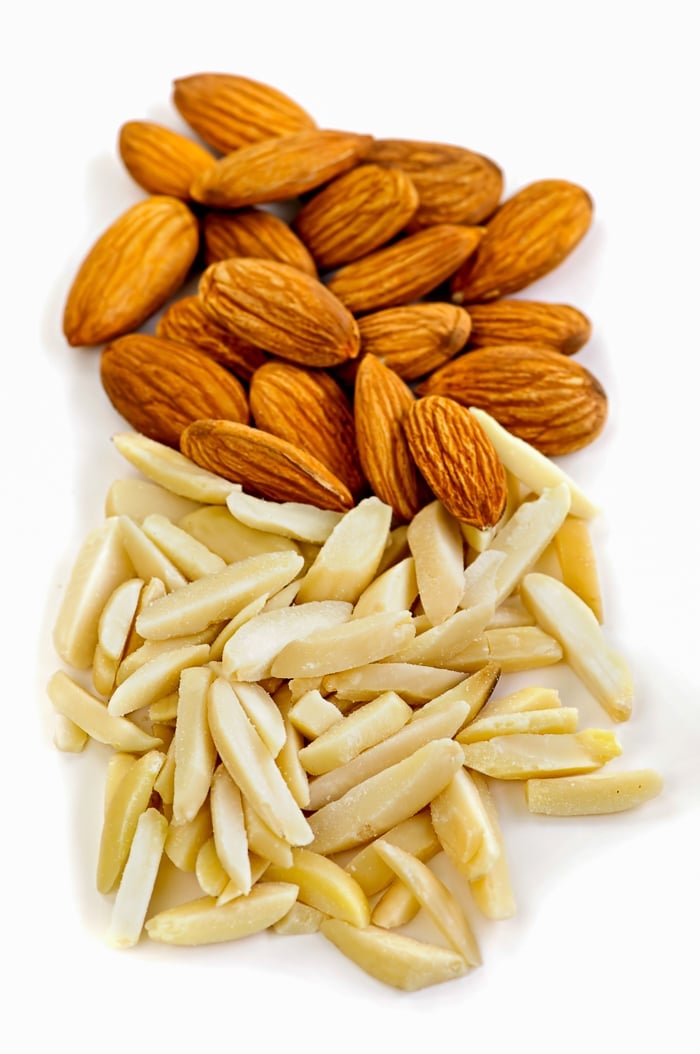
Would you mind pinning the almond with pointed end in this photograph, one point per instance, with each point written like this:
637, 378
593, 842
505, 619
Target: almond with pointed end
160, 160
140, 261
559, 326
416, 338
457, 459
254, 232
186, 322
529, 235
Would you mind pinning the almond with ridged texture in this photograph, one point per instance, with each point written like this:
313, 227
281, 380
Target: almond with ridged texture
529, 235
406, 270
549, 400
186, 322
254, 232
227, 111
311, 410
263, 464
160, 387
455, 185
415, 339
279, 309
160, 160
355, 214
137, 264
279, 169
382, 401
558, 326
457, 460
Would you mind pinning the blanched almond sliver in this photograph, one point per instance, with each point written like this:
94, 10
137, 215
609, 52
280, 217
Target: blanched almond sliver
228, 823
510, 613
300, 919
215, 527
492, 891
514, 650
191, 557
154, 589
313, 714
437, 547
117, 618
437, 646
263, 841
366, 726
578, 564
183, 843
67, 736
195, 753
149, 560
155, 679
475, 690
462, 826
284, 597
396, 548
291, 768
209, 870
104, 671
165, 781
396, 907
291, 519
138, 498
527, 754
263, 713
164, 711
117, 767
153, 649
413, 683
258, 867
354, 643
592, 795
234, 624
203, 921
324, 885
480, 578
130, 799
138, 879
415, 835
532, 697
553, 720
173, 470
91, 715
394, 590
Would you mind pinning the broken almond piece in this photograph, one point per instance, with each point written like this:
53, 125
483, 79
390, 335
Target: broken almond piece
229, 828
138, 879
366, 726
436, 545
561, 719
173, 470
313, 714
191, 557
138, 498
90, 714
195, 753
220, 532
395, 589
514, 650
413, 683
130, 799
592, 795
462, 826
529, 754
577, 561
324, 885
155, 679
203, 921
292, 519
492, 891
354, 643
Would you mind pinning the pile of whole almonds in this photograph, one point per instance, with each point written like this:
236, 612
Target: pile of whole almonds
346, 530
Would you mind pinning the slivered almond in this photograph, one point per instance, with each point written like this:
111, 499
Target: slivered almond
171, 469
436, 545
204, 921
349, 645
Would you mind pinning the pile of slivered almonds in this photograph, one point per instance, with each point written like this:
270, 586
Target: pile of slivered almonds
341, 529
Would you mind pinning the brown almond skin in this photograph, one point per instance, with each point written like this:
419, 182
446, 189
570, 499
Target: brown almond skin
263, 464
280, 309
278, 169
186, 322
309, 409
551, 401
559, 326
406, 270
133, 268
228, 112
160, 160
254, 232
457, 460
160, 387
415, 339
529, 235
356, 213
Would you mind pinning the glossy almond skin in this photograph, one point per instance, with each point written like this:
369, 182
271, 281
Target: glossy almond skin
254, 232
549, 400
160, 160
278, 169
529, 235
280, 309
263, 464
160, 387
559, 326
415, 339
356, 213
228, 111
186, 322
137, 264
457, 460
309, 409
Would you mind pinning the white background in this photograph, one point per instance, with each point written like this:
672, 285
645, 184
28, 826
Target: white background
602, 953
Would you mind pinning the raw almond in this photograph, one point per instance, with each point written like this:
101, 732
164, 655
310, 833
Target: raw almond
356, 213
227, 111
529, 235
406, 270
160, 160
559, 326
416, 338
140, 261
186, 322
310, 409
254, 232
160, 387
551, 401
457, 459
280, 168
263, 464
278, 308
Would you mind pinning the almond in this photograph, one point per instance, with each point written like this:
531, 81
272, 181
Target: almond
140, 261
356, 213
263, 464
278, 169
406, 270
254, 232
160, 387
227, 111
186, 322
415, 339
309, 409
382, 401
160, 160
454, 185
540, 395
529, 235
457, 460
559, 326
280, 309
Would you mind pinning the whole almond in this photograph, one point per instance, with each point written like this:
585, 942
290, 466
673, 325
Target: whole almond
382, 401
309, 409
559, 326
227, 111
280, 309
263, 464
356, 213
160, 387
137, 264
254, 232
540, 395
406, 270
415, 339
160, 160
278, 169
186, 322
454, 185
529, 235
